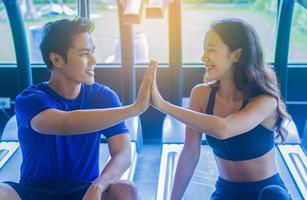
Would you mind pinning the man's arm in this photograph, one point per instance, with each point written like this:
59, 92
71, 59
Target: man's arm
120, 151
57, 122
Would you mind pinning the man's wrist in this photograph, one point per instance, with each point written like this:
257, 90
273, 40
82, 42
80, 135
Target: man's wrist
132, 109
100, 184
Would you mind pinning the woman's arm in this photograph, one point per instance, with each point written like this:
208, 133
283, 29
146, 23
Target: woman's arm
257, 110
187, 163
190, 153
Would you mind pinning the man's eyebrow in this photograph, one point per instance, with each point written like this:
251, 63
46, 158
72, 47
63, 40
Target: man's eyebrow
87, 49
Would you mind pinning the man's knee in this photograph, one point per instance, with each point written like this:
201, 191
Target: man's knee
8, 193
124, 190
273, 192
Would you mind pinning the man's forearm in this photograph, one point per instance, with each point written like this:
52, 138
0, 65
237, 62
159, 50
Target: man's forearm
113, 171
85, 121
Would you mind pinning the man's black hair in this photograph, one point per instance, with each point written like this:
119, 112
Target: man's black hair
57, 37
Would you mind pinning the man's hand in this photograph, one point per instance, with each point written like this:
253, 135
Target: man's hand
94, 192
143, 99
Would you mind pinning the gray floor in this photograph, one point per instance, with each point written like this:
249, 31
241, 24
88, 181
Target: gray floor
203, 181
147, 174
147, 171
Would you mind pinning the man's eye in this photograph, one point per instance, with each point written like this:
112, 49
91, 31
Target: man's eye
84, 53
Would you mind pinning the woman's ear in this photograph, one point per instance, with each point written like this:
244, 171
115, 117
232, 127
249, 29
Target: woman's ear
236, 55
56, 60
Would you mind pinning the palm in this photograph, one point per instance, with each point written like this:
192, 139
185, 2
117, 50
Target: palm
143, 98
156, 98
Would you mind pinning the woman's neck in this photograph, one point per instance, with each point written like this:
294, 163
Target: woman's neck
228, 90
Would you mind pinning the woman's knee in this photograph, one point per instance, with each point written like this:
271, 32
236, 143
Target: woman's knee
273, 192
123, 189
8, 193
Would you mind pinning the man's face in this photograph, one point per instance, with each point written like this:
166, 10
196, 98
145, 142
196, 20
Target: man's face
81, 60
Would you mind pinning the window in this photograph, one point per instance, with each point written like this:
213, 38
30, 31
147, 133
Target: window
196, 18
104, 14
37, 13
151, 38
298, 38
7, 49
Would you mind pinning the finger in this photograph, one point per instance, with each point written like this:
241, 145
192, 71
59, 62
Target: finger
149, 69
155, 75
147, 79
148, 76
150, 73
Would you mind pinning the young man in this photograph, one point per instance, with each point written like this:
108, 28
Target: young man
60, 123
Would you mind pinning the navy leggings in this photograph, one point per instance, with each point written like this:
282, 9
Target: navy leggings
271, 188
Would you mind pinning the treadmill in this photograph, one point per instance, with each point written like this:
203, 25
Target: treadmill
291, 162
11, 157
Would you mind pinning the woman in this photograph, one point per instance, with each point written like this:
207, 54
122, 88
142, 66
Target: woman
239, 109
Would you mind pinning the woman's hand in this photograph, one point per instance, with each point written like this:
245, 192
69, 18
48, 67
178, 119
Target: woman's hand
143, 98
156, 98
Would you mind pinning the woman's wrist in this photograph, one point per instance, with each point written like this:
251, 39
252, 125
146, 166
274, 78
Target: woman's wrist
163, 105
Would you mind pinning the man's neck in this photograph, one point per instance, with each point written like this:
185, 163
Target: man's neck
66, 88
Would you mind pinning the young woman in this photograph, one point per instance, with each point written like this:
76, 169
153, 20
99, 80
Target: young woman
239, 109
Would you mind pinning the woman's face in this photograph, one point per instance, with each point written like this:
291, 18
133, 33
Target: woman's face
217, 58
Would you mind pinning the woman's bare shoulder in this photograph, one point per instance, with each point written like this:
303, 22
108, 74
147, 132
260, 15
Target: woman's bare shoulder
202, 88
199, 96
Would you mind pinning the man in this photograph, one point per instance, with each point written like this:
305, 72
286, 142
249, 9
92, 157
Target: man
60, 123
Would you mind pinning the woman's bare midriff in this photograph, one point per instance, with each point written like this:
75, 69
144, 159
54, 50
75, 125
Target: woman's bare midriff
248, 170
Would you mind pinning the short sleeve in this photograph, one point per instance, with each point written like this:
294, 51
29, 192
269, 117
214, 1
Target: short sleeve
111, 100
28, 104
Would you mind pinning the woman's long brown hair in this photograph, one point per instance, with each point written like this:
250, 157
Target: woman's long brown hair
251, 75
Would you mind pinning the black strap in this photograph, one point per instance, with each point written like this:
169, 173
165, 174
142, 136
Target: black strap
211, 100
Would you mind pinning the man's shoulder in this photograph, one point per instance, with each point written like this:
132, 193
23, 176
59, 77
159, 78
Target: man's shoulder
101, 89
32, 91
102, 95
32, 98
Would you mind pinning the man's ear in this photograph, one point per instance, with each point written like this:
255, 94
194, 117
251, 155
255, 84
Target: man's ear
56, 60
237, 55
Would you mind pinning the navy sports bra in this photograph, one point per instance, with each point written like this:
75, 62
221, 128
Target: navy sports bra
248, 145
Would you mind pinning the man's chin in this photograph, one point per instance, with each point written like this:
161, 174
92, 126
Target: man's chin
89, 82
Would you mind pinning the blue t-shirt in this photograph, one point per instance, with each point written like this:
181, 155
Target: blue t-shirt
50, 157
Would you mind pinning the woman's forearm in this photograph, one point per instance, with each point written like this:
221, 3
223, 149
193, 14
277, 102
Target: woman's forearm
209, 124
